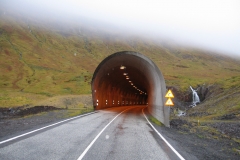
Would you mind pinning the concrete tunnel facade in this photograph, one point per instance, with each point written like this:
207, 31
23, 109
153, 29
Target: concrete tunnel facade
130, 78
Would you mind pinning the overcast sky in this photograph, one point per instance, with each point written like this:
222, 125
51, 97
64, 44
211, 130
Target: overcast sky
210, 24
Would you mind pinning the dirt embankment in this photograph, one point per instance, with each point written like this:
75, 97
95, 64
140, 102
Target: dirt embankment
207, 141
9, 113
218, 107
212, 126
49, 104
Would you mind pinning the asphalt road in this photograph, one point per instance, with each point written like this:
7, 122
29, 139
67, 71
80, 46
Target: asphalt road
115, 133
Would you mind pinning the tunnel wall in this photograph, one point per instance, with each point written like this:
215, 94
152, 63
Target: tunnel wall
155, 84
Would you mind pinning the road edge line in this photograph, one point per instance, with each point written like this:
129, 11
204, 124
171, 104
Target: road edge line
176, 152
22, 135
94, 140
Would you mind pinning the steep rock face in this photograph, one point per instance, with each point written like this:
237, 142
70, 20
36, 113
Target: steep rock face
202, 91
183, 100
216, 102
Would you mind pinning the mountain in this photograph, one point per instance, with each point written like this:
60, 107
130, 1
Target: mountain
42, 59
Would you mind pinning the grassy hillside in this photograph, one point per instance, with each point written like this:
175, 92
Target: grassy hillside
39, 60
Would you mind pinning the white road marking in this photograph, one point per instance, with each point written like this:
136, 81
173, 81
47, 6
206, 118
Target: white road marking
163, 137
10, 139
93, 141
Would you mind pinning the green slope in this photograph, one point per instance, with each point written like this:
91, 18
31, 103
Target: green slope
39, 60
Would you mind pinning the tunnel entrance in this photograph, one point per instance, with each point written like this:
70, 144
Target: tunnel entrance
130, 78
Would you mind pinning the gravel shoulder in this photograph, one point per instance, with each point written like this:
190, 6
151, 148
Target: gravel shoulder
200, 142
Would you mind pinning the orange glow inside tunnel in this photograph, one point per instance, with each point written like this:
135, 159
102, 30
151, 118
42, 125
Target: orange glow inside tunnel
129, 78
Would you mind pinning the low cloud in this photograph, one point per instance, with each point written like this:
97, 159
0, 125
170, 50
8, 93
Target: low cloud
206, 24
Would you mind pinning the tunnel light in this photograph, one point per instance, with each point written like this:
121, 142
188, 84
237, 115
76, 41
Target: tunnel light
127, 78
125, 74
130, 81
122, 67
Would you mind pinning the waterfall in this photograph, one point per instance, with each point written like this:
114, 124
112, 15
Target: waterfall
195, 97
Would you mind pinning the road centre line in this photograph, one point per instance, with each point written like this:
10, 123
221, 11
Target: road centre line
93, 141
10, 139
163, 137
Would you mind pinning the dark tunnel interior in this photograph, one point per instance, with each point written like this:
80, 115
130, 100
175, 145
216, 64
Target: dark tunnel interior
129, 78
121, 85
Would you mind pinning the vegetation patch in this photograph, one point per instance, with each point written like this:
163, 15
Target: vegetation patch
155, 121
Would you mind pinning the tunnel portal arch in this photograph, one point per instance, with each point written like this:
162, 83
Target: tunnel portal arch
130, 78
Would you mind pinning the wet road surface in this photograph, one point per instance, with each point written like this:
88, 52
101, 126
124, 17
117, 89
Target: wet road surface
114, 133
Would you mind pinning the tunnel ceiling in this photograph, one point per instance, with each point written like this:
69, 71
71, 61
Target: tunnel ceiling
129, 79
